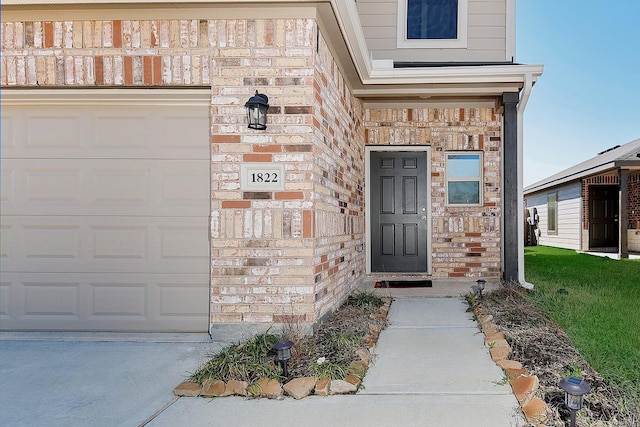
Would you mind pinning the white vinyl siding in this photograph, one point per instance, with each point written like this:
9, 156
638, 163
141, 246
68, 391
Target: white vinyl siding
568, 218
485, 41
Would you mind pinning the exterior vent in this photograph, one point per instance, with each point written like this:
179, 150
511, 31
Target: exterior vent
609, 149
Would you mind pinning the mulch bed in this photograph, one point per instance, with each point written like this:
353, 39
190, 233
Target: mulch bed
545, 350
365, 322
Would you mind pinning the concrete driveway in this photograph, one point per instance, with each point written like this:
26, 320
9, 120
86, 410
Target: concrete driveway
65, 382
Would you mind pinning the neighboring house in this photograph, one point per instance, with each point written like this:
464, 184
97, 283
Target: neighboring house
135, 197
592, 206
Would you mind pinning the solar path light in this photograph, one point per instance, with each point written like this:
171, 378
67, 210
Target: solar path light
574, 391
284, 354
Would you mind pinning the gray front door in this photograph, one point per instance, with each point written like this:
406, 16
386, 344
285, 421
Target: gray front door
399, 196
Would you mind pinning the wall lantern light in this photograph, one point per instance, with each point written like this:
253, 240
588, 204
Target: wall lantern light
257, 107
574, 391
284, 354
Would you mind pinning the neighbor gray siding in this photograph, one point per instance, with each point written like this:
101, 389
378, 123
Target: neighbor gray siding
569, 216
486, 38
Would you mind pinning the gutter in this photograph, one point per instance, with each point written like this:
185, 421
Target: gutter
524, 98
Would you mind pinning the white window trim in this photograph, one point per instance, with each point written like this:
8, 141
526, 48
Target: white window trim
458, 43
480, 179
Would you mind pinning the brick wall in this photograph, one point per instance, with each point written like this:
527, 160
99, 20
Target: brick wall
466, 240
634, 201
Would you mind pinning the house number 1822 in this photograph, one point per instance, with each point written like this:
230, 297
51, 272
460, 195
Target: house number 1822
262, 176
257, 177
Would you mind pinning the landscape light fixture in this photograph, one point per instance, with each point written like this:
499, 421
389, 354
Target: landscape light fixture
480, 283
284, 354
257, 107
574, 391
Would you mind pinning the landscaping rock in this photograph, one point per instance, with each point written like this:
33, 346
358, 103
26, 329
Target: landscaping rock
524, 388
213, 388
494, 337
300, 388
364, 355
342, 387
187, 389
353, 379
535, 410
489, 329
515, 373
323, 387
269, 388
509, 364
499, 353
499, 343
235, 388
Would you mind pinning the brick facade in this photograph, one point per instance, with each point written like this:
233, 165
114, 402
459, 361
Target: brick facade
465, 240
634, 201
276, 255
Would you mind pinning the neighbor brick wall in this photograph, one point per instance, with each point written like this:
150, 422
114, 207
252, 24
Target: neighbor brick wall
634, 201
465, 240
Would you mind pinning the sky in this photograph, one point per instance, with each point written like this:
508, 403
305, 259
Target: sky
588, 98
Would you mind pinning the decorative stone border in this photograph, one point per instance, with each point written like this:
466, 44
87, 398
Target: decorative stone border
298, 388
524, 386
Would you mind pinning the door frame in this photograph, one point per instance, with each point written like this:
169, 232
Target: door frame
426, 149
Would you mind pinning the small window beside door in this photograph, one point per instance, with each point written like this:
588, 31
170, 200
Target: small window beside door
464, 178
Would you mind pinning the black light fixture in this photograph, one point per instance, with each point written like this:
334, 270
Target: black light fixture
574, 391
480, 284
257, 107
284, 354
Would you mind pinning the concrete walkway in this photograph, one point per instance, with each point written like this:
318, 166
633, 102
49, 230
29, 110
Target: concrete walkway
431, 369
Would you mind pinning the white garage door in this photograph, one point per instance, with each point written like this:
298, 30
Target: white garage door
105, 206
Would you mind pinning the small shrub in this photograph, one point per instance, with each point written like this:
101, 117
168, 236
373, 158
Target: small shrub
365, 299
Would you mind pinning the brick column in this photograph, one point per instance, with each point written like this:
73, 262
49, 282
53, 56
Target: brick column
623, 217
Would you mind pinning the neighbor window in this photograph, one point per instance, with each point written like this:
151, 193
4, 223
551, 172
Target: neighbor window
432, 23
464, 178
552, 213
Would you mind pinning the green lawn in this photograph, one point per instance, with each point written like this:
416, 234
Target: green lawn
597, 302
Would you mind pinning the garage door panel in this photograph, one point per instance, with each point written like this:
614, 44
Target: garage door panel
110, 302
120, 243
178, 298
7, 185
106, 187
119, 299
53, 243
51, 299
104, 244
143, 132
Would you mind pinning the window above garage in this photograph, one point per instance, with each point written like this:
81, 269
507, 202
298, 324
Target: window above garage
432, 24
